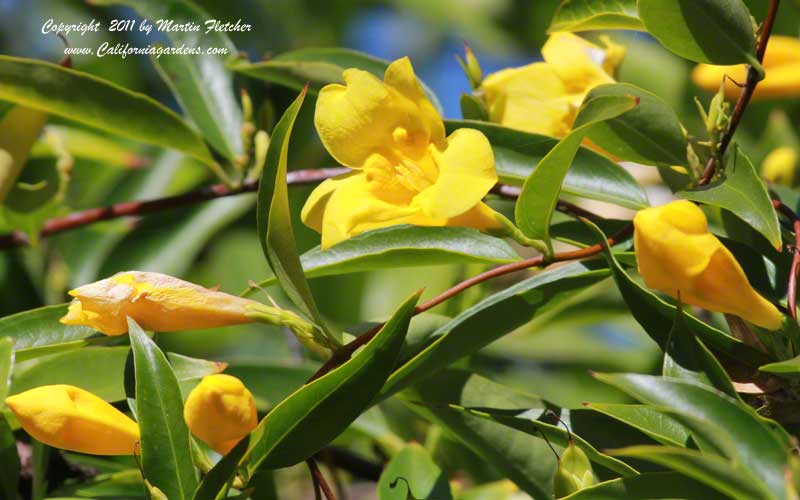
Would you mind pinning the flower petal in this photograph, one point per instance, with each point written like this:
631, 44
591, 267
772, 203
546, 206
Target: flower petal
578, 63
466, 174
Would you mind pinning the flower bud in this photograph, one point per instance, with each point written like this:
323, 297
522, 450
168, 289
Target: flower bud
220, 411
471, 67
677, 255
157, 302
574, 472
780, 166
70, 418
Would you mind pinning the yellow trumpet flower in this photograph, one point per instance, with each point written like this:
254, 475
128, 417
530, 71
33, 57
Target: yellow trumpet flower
406, 171
677, 255
780, 166
543, 97
782, 65
70, 418
220, 411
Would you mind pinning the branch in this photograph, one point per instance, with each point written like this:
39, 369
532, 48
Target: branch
746, 94
319, 480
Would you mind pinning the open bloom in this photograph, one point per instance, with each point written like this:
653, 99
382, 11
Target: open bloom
780, 166
156, 301
406, 171
220, 411
544, 97
782, 65
680, 257
70, 418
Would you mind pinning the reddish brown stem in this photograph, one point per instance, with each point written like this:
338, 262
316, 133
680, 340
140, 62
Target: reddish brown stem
744, 97
791, 289
319, 480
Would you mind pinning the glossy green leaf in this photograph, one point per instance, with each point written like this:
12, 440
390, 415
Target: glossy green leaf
122, 485
40, 327
541, 190
202, 83
591, 175
588, 15
317, 67
649, 134
412, 473
734, 428
657, 316
165, 447
788, 367
741, 192
526, 421
214, 482
655, 424
649, 486
536, 298
6, 364
318, 412
711, 470
687, 358
275, 224
526, 460
95, 102
19, 129
9, 458
706, 31
404, 246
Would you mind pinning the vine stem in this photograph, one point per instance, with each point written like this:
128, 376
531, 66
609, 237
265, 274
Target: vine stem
319, 480
745, 95
791, 289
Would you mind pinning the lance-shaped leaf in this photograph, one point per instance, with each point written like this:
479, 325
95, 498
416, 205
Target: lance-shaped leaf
40, 328
589, 15
165, 446
651, 422
706, 31
214, 482
316, 413
201, 82
9, 472
92, 101
741, 192
275, 224
541, 190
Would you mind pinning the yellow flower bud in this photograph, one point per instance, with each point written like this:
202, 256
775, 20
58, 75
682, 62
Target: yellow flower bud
70, 418
782, 65
405, 168
157, 302
677, 255
220, 411
544, 97
780, 166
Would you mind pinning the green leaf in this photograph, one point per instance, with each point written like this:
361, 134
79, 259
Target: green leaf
9, 472
526, 460
706, 31
524, 421
788, 367
84, 144
655, 424
473, 108
98, 103
19, 129
687, 358
589, 15
412, 473
718, 473
404, 246
541, 190
536, 298
202, 83
649, 486
214, 482
650, 133
734, 428
275, 223
6, 364
741, 192
591, 175
165, 446
69, 367
318, 412
40, 327
122, 485
656, 316
318, 67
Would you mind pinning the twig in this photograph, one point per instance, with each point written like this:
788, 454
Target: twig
744, 97
791, 289
319, 480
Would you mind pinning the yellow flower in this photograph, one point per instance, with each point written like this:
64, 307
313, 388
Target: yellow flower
406, 170
220, 411
782, 65
780, 166
544, 97
677, 255
70, 418
156, 301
